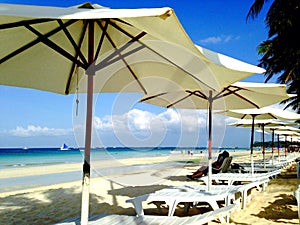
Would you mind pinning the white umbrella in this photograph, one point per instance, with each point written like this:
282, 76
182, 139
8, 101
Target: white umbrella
236, 96
51, 49
261, 114
291, 138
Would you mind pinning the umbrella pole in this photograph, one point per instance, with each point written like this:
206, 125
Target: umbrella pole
251, 144
278, 148
263, 145
210, 100
285, 145
88, 132
272, 146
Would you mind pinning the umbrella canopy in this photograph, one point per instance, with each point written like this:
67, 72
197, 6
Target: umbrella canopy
53, 48
262, 113
289, 133
60, 35
290, 138
236, 96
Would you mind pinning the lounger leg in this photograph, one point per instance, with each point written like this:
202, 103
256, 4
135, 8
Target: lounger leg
172, 206
138, 207
215, 206
244, 198
264, 186
158, 205
227, 202
187, 206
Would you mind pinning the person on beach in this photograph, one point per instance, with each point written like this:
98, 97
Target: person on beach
215, 166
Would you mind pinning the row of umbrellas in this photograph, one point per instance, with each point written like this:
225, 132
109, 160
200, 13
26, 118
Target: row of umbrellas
265, 118
89, 48
240, 95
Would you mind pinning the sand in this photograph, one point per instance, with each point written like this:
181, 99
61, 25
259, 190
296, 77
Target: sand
51, 204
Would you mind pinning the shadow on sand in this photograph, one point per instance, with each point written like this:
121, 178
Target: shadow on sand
280, 209
52, 206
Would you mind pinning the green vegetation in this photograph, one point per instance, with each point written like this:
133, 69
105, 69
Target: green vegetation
281, 51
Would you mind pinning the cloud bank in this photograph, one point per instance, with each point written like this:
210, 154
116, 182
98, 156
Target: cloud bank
218, 39
33, 131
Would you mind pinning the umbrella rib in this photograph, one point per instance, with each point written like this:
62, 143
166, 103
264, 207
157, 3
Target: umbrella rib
44, 39
234, 92
247, 100
104, 29
199, 94
83, 31
125, 62
71, 39
221, 94
179, 100
122, 21
274, 117
27, 46
163, 57
106, 61
23, 23
153, 96
34, 42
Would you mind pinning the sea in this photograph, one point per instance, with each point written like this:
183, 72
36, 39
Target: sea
34, 157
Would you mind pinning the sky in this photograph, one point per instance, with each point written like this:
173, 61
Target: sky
34, 118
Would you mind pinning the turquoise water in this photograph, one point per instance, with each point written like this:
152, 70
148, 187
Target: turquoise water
20, 158
43, 156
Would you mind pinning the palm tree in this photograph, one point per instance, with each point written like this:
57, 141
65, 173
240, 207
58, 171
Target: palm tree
281, 52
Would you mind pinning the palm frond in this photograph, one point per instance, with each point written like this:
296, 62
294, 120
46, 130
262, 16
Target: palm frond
255, 9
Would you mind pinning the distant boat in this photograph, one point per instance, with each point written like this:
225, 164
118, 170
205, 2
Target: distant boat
64, 147
25, 148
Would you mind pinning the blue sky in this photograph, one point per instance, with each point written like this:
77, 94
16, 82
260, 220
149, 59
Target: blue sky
35, 118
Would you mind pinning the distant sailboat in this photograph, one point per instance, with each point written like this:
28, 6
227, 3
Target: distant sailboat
64, 147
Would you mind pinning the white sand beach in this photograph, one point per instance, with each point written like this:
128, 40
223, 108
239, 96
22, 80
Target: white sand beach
54, 203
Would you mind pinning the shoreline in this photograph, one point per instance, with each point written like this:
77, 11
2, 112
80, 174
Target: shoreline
28, 177
54, 203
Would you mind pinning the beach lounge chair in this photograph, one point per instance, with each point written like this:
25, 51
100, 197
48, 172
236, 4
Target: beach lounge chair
154, 220
244, 191
224, 167
183, 194
231, 178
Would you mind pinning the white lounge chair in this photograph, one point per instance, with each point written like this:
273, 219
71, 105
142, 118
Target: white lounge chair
173, 196
225, 166
244, 190
230, 178
154, 220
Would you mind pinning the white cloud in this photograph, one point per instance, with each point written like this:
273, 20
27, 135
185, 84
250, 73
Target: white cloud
139, 120
102, 124
211, 40
143, 121
32, 130
218, 39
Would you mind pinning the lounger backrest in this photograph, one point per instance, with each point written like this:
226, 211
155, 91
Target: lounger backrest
226, 164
